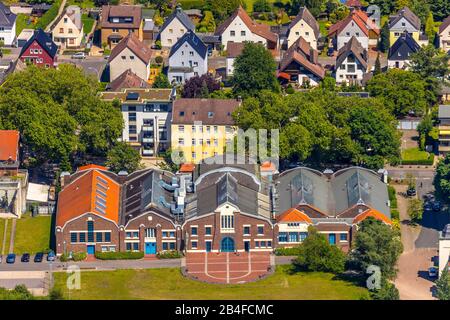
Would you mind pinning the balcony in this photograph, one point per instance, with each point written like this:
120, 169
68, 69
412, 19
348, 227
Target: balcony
147, 152
147, 127
147, 139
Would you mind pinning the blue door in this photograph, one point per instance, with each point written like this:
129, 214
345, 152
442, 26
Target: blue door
332, 238
150, 248
227, 245
91, 249
208, 246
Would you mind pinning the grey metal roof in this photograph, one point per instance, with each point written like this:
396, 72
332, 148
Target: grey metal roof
444, 111
180, 15
7, 18
331, 194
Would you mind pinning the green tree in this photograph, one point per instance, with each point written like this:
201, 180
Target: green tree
254, 70
440, 9
56, 294
429, 27
317, 254
388, 291
161, 81
386, 6
421, 8
415, 210
430, 62
123, 157
377, 244
384, 42
207, 24
377, 69
442, 179
314, 6
58, 113
328, 83
442, 286
20, 292
403, 91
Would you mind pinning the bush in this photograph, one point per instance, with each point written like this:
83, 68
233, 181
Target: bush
158, 44
392, 197
193, 4
159, 59
290, 89
49, 15
395, 214
56, 294
295, 251
172, 254
119, 255
79, 256
64, 258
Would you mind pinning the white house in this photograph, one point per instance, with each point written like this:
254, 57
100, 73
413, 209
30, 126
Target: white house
174, 27
188, 58
7, 26
68, 30
351, 63
130, 53
352, 26
304, 25
444, 35
234, 49
239, 27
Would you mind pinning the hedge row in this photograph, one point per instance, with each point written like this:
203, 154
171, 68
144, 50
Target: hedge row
193, 4
172, 254
295, 251
76, 256
49, 15
119, 255
424, 162
392, 197
395, 214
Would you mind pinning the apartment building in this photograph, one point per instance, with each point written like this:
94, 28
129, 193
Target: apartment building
146, 113
201, 128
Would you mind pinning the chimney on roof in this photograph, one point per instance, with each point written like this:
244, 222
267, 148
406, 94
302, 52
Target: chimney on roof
328, 173
64, 179
122, 176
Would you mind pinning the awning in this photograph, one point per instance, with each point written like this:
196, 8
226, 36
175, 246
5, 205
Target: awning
284, 75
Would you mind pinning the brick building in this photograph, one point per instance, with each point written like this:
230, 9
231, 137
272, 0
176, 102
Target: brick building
214, 208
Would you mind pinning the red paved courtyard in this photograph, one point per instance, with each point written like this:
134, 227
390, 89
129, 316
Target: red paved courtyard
228, 267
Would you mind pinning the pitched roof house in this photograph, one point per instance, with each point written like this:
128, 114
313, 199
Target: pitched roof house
300, 65
174, 27
351, 63
130, 53
7, 25
39, 50
400, 53
356, 24
118, 21
187, 58
234, 49
68, 30
239, 27
128, 79
444, 35
304, 25
404, 20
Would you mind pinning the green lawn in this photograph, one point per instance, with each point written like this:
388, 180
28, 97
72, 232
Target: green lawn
168, 283
21, 23
83, 4
87, 23
249, 3
32, 234
8, 234
2, 230
415, 154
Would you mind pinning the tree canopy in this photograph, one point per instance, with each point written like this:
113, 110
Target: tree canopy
123, 157
321, 128
254, 70
377, 244
58, 113
402, 91
200, 87
442, 179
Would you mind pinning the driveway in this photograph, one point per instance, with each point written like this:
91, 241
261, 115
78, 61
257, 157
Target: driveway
90, 65
412, 280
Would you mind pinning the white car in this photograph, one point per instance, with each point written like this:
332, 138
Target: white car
79, 55
432, 272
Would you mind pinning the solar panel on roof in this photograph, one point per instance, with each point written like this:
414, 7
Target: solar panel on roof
132, 96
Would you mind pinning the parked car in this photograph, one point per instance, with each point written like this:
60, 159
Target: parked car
411, 192
330, 52
432, 272
11, 258
38, 257
437, 206
106, 57
51, 256
1, 258
428, 206
79, 55
25, 257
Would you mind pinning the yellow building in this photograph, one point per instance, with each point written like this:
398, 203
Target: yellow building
201, 128
404, 20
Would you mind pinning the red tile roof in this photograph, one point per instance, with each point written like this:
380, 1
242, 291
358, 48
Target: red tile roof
9, 145
293, 215
187, 167
79, 197
262, 30
353, 16
374, 214
91, 166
